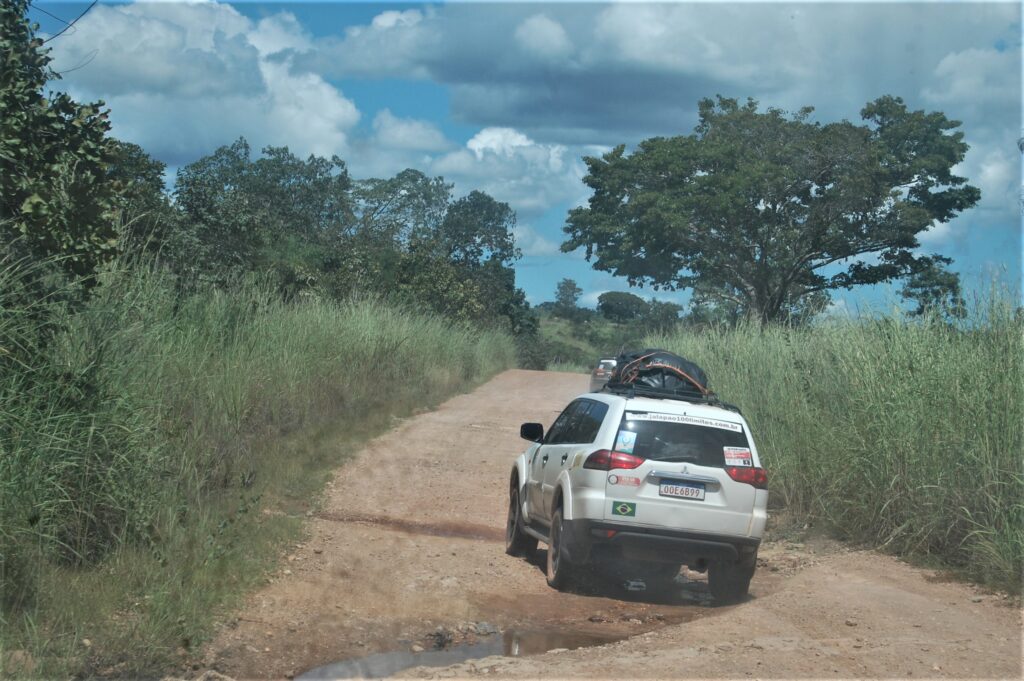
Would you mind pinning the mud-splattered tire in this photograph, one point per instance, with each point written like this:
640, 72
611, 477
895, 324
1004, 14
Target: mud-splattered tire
517, 542
561, 573
730, 582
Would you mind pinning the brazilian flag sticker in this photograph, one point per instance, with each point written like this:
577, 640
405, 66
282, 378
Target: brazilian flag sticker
623, 508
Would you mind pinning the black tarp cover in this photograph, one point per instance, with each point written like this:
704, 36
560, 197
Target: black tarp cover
661, 370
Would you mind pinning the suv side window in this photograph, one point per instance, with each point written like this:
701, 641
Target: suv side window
585, 422
558, 429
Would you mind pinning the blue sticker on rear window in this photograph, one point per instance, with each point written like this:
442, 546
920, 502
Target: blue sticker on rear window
625, 442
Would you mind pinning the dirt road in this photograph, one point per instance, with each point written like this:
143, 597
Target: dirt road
406, 555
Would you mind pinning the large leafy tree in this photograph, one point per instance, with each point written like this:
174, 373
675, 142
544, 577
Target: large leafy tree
55, 199
274, 212
620, 306
762, 209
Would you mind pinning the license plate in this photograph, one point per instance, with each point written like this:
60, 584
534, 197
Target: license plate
682, 490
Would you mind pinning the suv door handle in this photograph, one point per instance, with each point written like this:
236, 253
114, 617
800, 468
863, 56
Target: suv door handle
543, 459
564, 457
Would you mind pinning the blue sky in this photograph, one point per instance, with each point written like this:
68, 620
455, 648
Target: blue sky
508, 98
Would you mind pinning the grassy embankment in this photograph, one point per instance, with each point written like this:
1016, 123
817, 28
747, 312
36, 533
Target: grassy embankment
898, 434
155, 453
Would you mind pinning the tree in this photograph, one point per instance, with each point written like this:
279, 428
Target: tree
619, 306
661, 315
54, 194
277, 212
567, 293
148, 219
478, 228
762, 209
935, 289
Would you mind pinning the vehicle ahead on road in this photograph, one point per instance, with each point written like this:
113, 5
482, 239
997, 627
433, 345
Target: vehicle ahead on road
601, 373
652, 481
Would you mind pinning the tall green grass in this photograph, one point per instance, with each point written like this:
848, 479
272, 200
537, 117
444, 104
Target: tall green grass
902, 434
157, 449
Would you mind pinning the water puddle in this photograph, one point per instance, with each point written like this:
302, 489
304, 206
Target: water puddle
457, 530
513, 643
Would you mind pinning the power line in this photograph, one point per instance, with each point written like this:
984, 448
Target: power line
61, 32
49, 14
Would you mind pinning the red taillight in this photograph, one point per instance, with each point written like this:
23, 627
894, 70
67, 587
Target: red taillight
758, 477
606, 460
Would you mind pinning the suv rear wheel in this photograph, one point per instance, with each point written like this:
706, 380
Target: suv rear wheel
560, 570
729, 582
517, 542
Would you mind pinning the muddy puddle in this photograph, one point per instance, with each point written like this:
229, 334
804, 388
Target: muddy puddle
513, 643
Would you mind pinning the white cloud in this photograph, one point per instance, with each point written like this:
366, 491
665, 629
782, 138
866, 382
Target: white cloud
530, 176
531, 242
391, 19
279, 32
189, 50
183, 79
542, 36
394, 44
589, 299
501, 141
975, 77
392, 132
838, 307
938, 234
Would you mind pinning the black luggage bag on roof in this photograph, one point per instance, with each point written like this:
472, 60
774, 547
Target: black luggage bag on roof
660, 371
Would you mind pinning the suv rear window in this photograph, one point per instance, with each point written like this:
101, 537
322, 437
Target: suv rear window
674, 437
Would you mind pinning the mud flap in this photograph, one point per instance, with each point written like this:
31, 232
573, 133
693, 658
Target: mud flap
575, 542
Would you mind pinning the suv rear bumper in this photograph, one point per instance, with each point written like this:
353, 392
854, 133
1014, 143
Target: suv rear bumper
586, 539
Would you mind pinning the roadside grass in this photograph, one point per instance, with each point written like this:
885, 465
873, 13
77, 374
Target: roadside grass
901, 434
569, 367
157, 451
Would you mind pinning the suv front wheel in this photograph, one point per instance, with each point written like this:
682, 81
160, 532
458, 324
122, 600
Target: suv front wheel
560, 570
517, 542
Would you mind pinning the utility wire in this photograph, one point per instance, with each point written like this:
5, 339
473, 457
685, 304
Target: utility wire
49, 14
61, 32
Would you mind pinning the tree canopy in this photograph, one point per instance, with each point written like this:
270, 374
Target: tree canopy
567, 295
763, 210
54, 195
620, 306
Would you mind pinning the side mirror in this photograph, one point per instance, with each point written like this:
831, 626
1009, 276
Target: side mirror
534, 432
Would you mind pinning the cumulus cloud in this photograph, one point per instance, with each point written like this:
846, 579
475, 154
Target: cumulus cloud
188, 50
394, 44
532, 243
580, 73
392, 132
511, 167
544, 37
182, 79
501, 141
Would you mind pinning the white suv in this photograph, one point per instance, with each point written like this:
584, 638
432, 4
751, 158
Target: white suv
656, 482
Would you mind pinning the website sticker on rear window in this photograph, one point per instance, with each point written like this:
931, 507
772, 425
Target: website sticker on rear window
682, 418
625, 442
738, 456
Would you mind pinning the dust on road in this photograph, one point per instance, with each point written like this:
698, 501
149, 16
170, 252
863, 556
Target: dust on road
406, 553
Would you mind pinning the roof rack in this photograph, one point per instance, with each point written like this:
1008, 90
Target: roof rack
631, 390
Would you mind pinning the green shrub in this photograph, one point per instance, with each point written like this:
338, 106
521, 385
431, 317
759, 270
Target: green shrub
903, 434
138, 431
